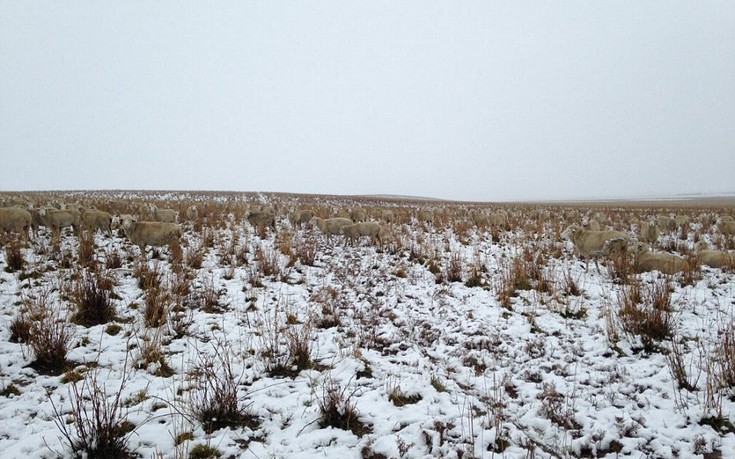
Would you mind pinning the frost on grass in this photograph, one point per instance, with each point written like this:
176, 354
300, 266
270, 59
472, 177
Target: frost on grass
449, 339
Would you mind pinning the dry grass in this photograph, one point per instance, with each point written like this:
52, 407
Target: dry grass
91, 298
96, 427
646, 313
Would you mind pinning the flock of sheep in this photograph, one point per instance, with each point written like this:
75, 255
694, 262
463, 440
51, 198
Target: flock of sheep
586, 233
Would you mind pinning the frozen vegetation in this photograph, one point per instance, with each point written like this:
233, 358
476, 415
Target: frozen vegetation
467, 330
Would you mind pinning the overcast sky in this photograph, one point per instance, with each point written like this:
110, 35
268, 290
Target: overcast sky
487, 100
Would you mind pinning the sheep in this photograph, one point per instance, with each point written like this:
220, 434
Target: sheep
294, 216
425, 215
163, 215
262, 219
373, 230
330, 226
666, 223
591, 225
36, 220
155, 234
667, 263
58, 219
681, 220
15, 220
305, 216
358, 214
387, 216
649, 232
726, 227
192, 213
714, 258
592, 244
93, 219
499, 218
480, 219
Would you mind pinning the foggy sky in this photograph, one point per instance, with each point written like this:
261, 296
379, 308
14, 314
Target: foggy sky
487, 100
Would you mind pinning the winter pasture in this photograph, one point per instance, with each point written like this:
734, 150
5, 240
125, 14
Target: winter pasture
462, 330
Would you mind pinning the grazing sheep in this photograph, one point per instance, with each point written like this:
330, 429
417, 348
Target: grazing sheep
480, 219
667, 263
93, 219
15, 220
499, 218
649, 232
425, 215
262, 219
58, 219
372, 230
681, 220
163, 215
36, 221
591, 224
330, 226
358, 214
387, 216
714, 258
666, 223
155, 234
192, 213
726, 227
592, 244
305, 216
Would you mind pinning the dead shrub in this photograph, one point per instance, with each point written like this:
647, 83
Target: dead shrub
268, 261
194, 256
96, 427
647, 313
156, 307
557, 407
14, 256
148, 278
337, 409
724, 357
453, 270
215, 402
152, 357
306, 251
85, 249
91, 297
49, 334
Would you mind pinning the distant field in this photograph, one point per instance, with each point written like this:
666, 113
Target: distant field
457, 330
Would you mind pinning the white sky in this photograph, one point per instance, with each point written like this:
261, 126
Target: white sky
487, 100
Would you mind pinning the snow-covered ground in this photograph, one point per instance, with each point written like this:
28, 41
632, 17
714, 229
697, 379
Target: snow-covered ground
432, 368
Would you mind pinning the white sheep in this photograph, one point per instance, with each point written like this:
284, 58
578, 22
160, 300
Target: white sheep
592, 244
305, 216
667, 263
425, 215
499, 218
262, 219
358, 214
15, 220
155, 234
373, 230
591, 224
649, 231
192, 213
480, 219
57, 219
163, 215
666, 223
714, 258
387, 216
330, 226
726, 227
93, 219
